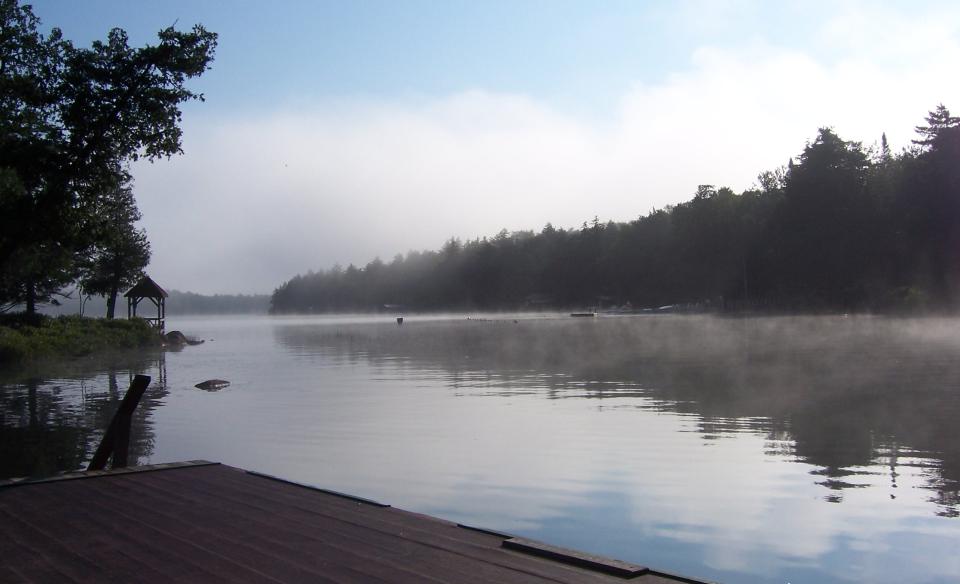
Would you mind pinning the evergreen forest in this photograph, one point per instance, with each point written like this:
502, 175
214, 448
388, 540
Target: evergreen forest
841, 227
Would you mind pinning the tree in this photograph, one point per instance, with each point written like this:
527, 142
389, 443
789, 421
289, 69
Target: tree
32, 264
120, 252
822, 232
69, 118
885, 155
930, 202
938, 121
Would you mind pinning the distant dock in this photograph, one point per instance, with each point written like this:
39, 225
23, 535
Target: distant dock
207, 522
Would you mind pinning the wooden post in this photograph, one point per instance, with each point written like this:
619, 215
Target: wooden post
116, 440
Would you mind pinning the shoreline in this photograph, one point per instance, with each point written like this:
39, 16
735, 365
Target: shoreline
25, 340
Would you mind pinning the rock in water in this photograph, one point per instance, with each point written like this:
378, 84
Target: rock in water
212, 384
177, 338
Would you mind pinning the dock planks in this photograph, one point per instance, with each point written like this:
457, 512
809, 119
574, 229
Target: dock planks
208, 522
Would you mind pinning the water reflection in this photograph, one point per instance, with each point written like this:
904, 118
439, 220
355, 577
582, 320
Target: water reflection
53, 424
802, 450
845, 395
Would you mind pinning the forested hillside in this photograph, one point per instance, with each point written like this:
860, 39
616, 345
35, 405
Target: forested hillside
841, 227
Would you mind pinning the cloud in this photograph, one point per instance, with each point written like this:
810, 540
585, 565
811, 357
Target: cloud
260, 196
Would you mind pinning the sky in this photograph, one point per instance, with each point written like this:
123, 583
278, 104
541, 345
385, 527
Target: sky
336, 132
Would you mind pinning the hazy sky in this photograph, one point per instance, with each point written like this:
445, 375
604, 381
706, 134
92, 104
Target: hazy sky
337, 132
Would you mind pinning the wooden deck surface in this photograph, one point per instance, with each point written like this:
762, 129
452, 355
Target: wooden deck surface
206, 522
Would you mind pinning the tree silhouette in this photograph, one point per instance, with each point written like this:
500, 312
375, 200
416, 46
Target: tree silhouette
938, 121
69, 118
120, 251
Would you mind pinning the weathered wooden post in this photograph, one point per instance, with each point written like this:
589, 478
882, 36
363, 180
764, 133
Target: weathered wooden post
116, 440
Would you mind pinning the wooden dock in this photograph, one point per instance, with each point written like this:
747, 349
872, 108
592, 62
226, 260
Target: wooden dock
207, 522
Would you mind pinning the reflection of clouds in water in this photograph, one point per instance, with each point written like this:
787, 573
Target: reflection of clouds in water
525, 464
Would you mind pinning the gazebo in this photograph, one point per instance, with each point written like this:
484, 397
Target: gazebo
147, 289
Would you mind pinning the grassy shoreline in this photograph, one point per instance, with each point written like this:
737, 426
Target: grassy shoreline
25, 339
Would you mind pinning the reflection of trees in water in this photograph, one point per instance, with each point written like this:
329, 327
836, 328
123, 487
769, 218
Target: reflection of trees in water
36, 438
48, 425
838, 393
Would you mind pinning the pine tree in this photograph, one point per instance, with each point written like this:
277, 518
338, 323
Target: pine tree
937, 121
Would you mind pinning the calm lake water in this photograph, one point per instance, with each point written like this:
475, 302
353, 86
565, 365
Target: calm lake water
819, 449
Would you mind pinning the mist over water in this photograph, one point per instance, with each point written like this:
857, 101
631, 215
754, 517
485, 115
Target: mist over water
735, 449
845, 390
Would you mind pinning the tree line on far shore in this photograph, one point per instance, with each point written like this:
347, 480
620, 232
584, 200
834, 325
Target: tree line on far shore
841, 227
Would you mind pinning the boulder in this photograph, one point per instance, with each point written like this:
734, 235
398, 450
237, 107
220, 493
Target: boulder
179, 339
175, 338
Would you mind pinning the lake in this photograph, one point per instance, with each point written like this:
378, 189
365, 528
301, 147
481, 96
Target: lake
807, 449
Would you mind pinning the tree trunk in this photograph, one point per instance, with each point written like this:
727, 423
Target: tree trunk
111, 301
31, 299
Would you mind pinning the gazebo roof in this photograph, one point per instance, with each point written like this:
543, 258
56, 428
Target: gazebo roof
146, 288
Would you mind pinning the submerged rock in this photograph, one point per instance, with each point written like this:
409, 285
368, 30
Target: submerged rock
212, 384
